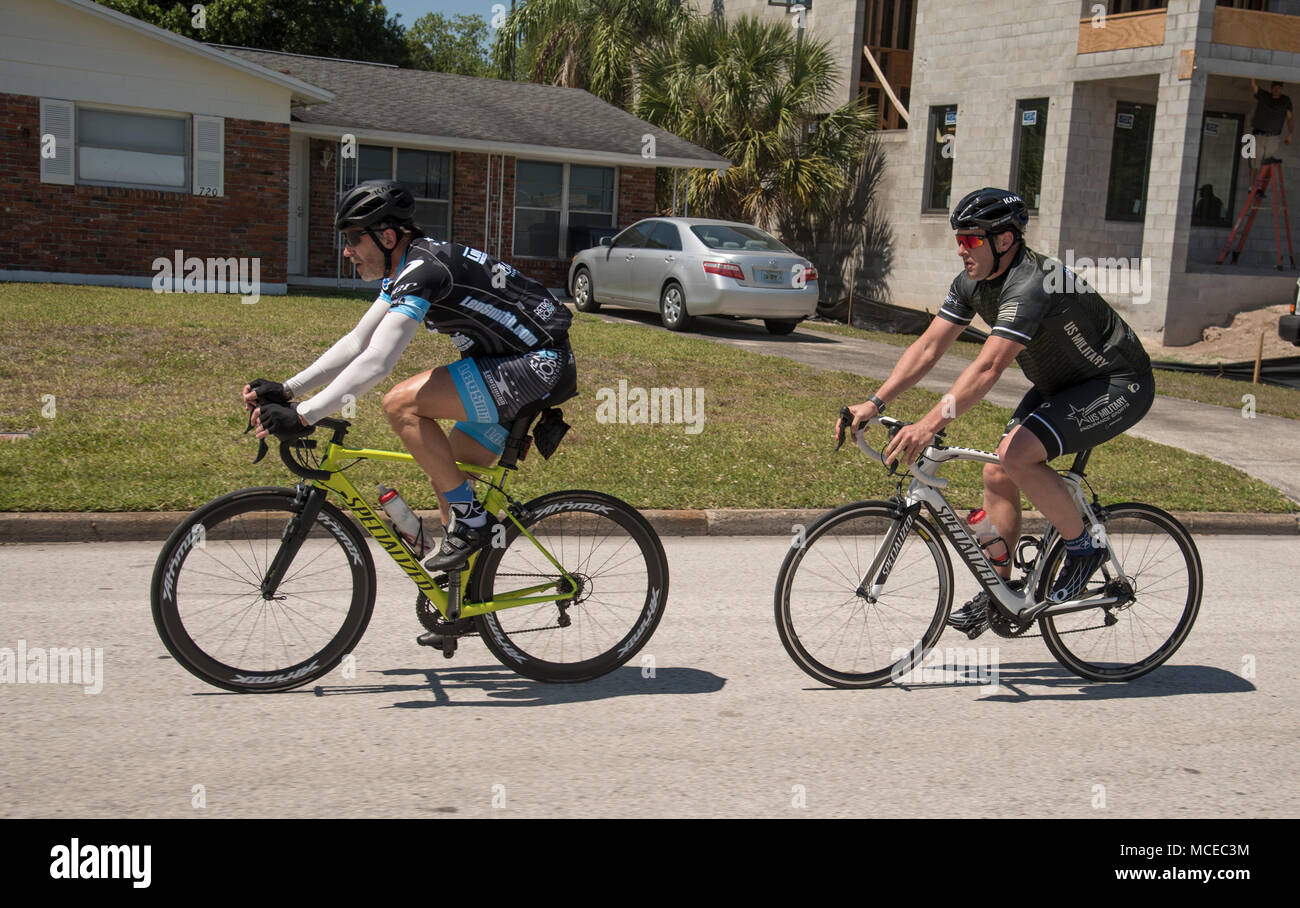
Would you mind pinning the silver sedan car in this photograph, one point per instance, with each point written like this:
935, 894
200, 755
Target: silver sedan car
685, 267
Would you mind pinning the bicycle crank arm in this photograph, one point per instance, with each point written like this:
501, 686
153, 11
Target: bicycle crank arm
295, 534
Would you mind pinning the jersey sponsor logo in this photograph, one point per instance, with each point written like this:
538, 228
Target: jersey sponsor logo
546, 363
544, 310
463, 343
1097, 413
505, 319
472, 253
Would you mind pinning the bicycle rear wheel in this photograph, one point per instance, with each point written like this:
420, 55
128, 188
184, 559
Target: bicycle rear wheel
208, 604
829, 625
1163, 575
621, 573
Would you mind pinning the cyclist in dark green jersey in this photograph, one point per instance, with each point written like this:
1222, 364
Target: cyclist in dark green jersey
1091, 380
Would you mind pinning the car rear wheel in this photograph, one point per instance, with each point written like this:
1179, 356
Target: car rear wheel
672, 307
778, 326
584, 292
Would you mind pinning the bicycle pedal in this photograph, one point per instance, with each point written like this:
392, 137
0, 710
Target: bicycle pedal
448, 647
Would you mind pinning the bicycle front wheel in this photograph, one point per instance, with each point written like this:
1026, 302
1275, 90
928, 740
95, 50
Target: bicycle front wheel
209, 607
834, 625
1162, 584
620, 585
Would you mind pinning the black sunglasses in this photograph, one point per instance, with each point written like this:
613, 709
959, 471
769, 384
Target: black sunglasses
353, 237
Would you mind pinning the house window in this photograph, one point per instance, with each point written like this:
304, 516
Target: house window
1130, 161
552, 200
130, 149
427, 174
942, 134
1030, 141
1216, 170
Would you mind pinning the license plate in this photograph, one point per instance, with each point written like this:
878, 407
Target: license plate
768, 277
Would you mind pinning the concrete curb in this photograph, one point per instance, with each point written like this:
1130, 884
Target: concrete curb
156, 526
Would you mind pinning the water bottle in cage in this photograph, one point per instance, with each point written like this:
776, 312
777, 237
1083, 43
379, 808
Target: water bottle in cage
407, 523
994, 546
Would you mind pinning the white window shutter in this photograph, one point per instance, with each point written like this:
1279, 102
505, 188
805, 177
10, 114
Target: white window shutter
209, 155
58, 149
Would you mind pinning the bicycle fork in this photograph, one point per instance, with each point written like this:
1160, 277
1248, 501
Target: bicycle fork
294, 535
883, 563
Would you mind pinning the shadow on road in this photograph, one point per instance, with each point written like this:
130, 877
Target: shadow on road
500, 686
1025, 681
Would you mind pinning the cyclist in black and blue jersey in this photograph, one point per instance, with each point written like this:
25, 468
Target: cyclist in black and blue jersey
1091, 380
511, 333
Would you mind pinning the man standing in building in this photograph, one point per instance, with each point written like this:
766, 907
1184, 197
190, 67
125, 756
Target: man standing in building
1272, 111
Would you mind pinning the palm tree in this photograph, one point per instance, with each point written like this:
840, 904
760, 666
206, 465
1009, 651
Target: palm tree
749, 91
848, 239
591, 44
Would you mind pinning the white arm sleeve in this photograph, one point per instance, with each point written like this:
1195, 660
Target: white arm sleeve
366, 370
333, 360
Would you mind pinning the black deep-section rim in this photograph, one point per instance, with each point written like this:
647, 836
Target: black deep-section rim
212, 516
598, 561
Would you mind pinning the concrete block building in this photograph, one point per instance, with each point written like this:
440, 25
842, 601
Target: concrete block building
1123, 123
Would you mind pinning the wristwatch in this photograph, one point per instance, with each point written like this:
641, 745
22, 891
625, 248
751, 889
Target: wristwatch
880, 404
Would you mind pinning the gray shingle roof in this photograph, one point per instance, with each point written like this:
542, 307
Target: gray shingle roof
372, 96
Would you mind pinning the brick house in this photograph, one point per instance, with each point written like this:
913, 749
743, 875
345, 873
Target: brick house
1111, 118
121, 143
523, 171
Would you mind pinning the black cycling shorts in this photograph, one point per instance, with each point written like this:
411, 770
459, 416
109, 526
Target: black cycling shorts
493, 389
1086, 414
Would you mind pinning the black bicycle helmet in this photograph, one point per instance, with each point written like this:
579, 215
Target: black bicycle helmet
374, 206
994, 211
375, 203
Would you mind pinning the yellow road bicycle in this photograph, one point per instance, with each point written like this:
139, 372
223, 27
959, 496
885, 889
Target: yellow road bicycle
266, 589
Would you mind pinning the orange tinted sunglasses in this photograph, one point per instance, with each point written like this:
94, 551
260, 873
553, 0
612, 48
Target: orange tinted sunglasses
970, 240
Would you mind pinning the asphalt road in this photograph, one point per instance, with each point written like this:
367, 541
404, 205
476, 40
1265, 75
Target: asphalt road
725, 725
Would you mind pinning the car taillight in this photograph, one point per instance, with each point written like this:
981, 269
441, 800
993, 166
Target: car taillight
810, 273
726, 269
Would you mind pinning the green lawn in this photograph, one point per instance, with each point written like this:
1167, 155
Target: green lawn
1207, 389
144, 394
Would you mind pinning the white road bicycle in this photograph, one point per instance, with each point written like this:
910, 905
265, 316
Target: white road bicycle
872, 579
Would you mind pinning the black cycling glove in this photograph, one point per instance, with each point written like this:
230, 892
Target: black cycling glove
282, 422
269, 392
